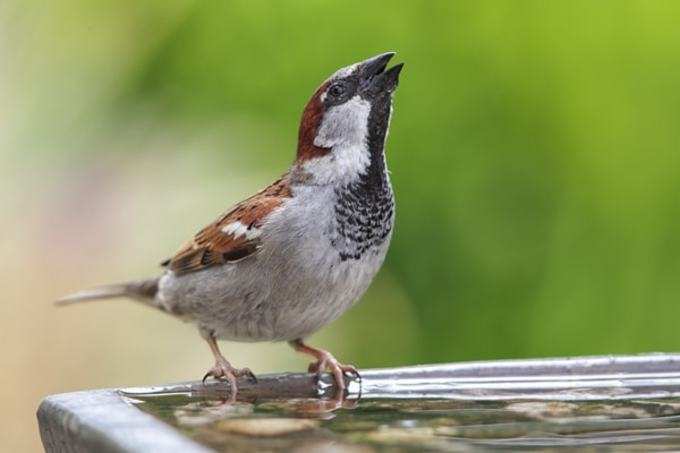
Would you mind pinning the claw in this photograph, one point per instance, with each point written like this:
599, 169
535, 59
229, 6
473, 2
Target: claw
329, 363
251, 376
247, 373
326, 362
223, 371
350, 371
315, 368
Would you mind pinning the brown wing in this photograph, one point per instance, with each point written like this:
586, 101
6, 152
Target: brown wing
234, 236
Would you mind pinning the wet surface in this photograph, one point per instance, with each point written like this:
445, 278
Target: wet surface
395, 425
587, 403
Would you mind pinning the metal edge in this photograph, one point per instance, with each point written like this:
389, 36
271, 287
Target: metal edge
101, 421
651, 375
540, 366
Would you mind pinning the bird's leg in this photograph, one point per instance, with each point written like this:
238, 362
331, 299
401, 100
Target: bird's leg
325, 361
223, 370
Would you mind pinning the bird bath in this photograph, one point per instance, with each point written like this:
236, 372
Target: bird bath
612, 401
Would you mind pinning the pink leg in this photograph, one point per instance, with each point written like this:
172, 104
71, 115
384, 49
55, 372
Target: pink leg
223, 370
325, 361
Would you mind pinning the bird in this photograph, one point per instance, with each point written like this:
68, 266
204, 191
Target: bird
292, 258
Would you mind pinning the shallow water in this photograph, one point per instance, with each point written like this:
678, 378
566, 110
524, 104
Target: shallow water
397, 425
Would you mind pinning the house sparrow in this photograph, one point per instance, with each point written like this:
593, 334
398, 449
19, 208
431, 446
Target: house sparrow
285, 262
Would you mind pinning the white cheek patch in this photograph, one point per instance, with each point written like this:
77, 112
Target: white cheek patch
345, 124
341, 166
237, 229
344, 129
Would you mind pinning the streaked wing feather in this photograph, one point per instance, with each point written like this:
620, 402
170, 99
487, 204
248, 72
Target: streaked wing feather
232, 237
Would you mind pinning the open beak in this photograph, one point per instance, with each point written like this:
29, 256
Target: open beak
374, 79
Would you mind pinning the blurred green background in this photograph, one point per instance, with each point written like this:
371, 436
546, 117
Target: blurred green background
534, 154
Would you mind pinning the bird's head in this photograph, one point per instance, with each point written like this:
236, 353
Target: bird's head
346, 119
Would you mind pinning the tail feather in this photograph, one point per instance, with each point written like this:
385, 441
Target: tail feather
143, 290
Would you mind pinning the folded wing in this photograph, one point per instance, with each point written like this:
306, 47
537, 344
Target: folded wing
232, 237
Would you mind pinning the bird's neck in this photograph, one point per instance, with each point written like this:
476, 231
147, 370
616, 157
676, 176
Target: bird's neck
343, 166
364, 210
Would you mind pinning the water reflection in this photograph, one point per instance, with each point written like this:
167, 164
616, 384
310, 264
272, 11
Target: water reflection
301, 424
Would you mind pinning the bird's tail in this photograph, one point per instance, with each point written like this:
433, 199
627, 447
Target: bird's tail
141, 290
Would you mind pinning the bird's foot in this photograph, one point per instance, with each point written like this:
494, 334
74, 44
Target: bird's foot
224, 371
327, 362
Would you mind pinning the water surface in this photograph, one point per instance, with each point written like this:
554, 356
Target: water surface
396, 425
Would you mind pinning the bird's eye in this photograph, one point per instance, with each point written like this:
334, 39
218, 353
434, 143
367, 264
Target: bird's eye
336, 90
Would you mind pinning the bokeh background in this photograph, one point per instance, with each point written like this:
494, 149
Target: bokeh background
534, 153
